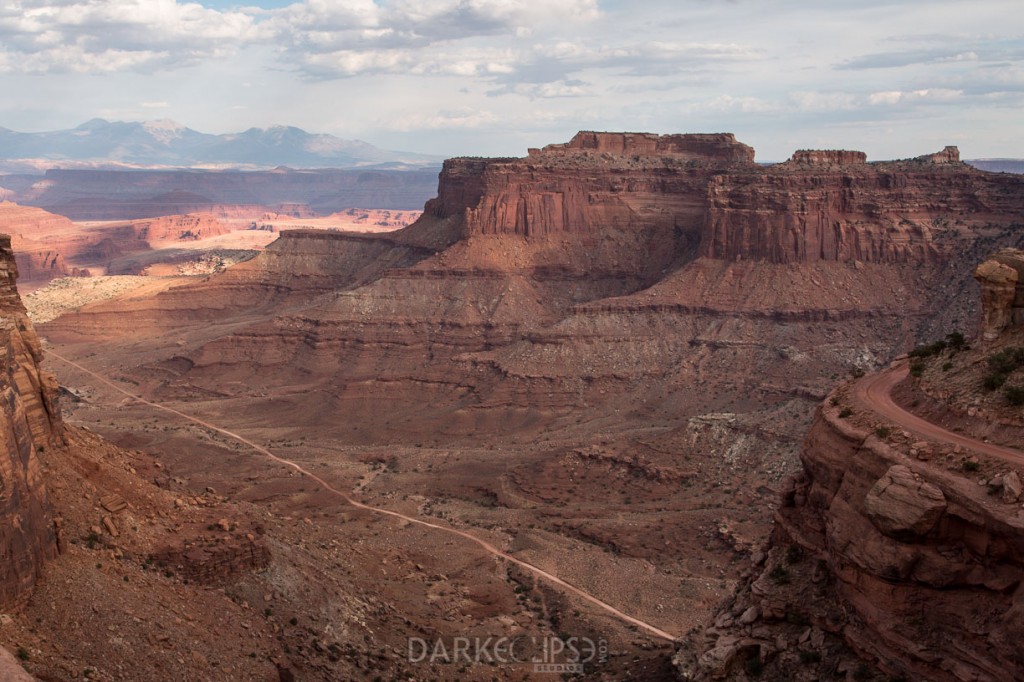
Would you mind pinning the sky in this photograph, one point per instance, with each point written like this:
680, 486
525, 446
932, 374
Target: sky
494, 77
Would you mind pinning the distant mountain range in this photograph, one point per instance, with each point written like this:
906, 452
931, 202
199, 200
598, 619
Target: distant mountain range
165, 144
998, 165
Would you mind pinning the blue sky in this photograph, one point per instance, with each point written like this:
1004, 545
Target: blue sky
493, 77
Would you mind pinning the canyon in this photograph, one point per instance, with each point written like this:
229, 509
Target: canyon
600, 358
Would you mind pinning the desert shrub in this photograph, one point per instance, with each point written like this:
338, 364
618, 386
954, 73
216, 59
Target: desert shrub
1014, 395
946, 366
883, 431
928, 350
863, 672
956, 340
856, 372
916, 367
779, 574
794, 553
845, 412
969, 466
1006, 360
993, 381
22, 653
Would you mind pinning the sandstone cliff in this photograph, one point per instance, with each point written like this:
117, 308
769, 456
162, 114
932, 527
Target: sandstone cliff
833, 206
29, 422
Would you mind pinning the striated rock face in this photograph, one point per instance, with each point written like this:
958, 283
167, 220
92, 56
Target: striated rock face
831, 206
720, 147
29, 421
902, 538
901, 504
827, 157
595, 182
1001, 279
179, 227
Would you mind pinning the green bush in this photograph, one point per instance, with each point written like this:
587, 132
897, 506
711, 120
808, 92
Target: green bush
971, 466
1006, 360
916, 367
993, 381
845, 412
1014, 395
928, 350
956, 340
883, 431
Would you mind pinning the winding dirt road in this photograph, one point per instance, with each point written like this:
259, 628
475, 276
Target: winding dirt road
486, 546
875, 392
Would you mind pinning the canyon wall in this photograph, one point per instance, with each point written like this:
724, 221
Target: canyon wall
596, 182
929, 561
833, 206
29, 422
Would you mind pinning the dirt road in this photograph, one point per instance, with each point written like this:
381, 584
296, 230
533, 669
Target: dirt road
875, 391
483, 544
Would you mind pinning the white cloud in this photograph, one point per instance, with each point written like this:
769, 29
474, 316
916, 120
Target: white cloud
117, 35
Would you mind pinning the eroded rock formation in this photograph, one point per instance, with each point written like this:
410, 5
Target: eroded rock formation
1001, 279
29, 421
832, 206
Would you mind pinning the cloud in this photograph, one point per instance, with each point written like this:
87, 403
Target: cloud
116, 35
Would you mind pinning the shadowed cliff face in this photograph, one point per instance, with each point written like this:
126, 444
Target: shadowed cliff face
29, 421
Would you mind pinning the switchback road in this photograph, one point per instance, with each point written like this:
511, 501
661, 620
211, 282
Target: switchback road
483, 544
875, 392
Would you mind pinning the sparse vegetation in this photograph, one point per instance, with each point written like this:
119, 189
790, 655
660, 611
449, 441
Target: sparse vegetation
928, 350
883, 431
779, 575
794, 554
993, 381
845, 412
1014, 395
22, 653
970, 467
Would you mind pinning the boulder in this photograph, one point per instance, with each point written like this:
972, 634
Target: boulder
1012, 487
900, 503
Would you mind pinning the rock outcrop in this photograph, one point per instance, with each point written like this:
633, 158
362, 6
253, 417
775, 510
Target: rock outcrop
186, 227
1001, 279
29, 422
900, 504
832, 206
914, 567
594, 182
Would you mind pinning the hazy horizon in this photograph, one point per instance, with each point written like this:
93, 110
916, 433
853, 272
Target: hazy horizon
494, 77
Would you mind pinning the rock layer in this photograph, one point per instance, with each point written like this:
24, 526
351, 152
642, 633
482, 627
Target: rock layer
29, 421
1001, 278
